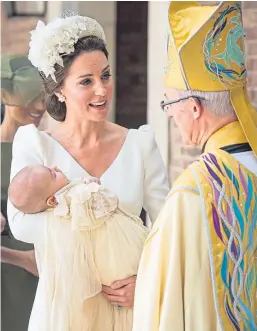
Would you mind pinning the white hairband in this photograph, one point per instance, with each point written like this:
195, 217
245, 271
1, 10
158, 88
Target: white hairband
49, 42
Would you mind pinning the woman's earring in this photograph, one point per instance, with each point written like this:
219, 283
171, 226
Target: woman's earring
60, 97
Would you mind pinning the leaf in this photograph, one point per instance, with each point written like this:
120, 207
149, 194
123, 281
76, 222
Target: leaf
243, 72
238, 216
234, 249
242, 265
249, 281
216, 194
231, 316
253, 224
243, 181
250, 318
215, 162
229, 215
230, 292
213, 174
226, 230
216, 222
220, 29
224, 269
229, 71
249, 196
232, 178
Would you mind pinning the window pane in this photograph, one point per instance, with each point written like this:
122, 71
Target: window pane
29, 7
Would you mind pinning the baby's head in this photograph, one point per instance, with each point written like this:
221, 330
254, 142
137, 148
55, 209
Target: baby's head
32, 189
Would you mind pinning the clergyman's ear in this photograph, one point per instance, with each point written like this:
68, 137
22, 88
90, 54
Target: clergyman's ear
196, 108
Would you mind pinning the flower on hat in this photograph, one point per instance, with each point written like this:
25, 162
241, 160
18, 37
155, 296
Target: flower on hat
49, 42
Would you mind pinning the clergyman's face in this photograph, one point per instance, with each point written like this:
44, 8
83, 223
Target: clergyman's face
182, 114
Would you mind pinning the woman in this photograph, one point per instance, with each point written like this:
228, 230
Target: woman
78, 85
21, 104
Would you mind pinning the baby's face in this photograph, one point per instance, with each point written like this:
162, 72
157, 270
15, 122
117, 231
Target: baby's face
59, 180
53, 178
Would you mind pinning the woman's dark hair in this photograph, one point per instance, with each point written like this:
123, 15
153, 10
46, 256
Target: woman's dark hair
2, 112
54, 107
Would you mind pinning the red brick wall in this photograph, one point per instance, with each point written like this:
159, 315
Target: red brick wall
180, 155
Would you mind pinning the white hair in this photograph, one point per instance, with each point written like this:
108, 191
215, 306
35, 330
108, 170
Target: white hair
217, 103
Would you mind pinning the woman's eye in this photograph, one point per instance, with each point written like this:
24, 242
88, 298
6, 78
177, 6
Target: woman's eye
106, 76
86, 82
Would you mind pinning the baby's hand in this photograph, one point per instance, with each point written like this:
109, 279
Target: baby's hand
92, 180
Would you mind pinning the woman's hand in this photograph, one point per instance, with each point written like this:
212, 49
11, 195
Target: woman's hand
121, 293
22, 259
30, 263
92, 180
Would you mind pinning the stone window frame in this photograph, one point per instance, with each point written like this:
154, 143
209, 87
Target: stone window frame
21, 8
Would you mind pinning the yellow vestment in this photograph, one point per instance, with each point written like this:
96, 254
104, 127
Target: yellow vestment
199, 265
198, 269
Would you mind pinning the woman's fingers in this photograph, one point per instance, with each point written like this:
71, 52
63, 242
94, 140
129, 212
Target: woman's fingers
92, 180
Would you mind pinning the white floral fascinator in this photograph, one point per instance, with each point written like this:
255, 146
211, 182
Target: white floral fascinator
50, 42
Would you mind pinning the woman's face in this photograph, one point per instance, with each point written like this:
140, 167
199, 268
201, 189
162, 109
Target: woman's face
88, 87
31, 114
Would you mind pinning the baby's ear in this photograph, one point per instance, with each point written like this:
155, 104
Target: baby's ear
51, 202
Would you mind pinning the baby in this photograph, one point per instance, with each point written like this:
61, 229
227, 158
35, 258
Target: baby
33, 189
89, 242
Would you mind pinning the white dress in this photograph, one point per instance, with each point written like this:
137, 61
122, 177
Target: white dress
137, 177
90, 242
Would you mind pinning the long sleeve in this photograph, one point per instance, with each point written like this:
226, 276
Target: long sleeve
173, 291
156, 184
26, 151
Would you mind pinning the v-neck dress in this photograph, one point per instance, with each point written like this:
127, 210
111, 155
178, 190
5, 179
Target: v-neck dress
137, 177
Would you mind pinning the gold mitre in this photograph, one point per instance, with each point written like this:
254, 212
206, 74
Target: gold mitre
206, 53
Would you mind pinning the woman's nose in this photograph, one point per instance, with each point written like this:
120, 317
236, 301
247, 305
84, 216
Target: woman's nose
100, 90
